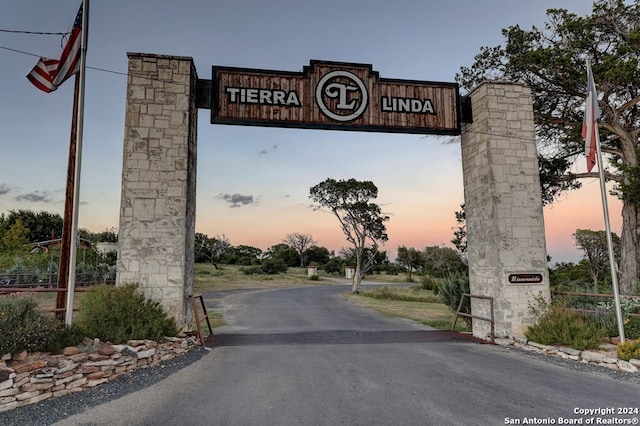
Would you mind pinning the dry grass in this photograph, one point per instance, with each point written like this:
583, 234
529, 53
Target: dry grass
46, 300
230, 277
433, 314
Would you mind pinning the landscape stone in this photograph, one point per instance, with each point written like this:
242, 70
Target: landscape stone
543, 347
591, 356
97, 357
106, 350
66, 365
626, 366
146, 354
70, 350
41, 376
570, 351
30, 366
6, 384
9, 392
19, 356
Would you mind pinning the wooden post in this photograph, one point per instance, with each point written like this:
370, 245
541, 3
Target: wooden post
63, 269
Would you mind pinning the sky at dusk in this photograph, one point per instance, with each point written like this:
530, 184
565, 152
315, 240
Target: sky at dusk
253, 182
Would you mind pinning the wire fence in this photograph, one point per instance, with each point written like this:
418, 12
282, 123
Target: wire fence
50, 280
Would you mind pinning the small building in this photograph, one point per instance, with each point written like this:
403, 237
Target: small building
44, 246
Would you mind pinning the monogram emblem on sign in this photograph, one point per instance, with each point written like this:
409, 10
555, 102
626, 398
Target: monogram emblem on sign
342, 96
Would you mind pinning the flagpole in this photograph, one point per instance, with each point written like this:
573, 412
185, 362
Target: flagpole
78, 161
605, 208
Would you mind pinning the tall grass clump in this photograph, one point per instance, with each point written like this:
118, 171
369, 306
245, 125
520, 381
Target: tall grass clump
451, 289
556, 324
414, 294
23, 327
122, 313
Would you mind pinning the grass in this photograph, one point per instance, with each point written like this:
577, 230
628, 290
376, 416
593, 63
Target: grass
401, 278
47, 300
230, 277
403, 302
417, 305
428, 310
408, 294
410, 303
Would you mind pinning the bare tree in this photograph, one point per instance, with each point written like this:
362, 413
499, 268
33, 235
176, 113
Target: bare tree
300, 243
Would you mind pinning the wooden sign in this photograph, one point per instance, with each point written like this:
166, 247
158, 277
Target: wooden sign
333, 95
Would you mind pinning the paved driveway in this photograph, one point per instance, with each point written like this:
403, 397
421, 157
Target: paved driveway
308, 357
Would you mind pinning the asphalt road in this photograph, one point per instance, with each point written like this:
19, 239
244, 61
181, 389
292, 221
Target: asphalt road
308, 357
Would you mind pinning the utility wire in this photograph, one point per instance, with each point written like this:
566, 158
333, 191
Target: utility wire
20, 51
182, 84
33, 32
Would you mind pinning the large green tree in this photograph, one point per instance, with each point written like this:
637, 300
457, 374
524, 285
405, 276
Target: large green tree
459, 239
41, 226
442, 261
15, 238
411, 259
596, 251
287, 254
319, 256
210, 249
552, 61
361, 220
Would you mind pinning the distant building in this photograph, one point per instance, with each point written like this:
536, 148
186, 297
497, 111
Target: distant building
43, 246
105, 248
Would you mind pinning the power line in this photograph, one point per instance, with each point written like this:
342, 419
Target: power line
33, 32
126, 74
19, 51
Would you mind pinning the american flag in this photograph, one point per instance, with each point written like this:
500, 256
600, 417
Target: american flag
48, 74
591, 115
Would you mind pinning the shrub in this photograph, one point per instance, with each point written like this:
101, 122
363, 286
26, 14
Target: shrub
252, 270
629, 350
332, 266
427, 282
557, 324
67, 336
120, 314
274, 266
632, 327
22, 326
603, 310
451, 289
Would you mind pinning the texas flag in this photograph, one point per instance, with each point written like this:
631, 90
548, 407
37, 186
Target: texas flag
591, 115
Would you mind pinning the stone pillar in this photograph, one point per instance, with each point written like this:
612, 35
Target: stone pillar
157, 210
505, 224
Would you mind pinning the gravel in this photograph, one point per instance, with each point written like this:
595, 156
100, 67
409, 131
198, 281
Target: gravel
54, 409
581, 366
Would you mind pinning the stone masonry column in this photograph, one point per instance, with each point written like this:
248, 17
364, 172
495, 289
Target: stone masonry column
157, 210
505, 224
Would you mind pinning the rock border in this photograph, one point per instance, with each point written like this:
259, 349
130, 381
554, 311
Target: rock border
606, 357
31, 378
